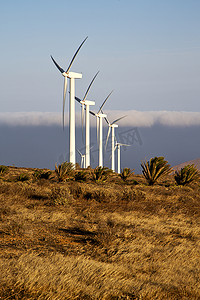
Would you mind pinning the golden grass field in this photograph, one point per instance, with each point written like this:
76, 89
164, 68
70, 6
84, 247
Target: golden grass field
87, 240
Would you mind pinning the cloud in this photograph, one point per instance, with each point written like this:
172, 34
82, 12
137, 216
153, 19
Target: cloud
133, 118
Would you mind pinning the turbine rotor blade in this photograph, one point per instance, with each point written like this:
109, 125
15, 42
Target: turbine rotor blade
124, 145
92, 113
79, 152
76, 54
107, 137
64, 97
57, 65
117, 120
90, 86
78, 99
104, 102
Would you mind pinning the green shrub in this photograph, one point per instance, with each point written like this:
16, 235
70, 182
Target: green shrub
64, 171
3, 169
100, 174
40, 174
156, 168
186, 175
80, 176
126, 173
22, 177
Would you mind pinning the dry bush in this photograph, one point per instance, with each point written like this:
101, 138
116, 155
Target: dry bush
60, 196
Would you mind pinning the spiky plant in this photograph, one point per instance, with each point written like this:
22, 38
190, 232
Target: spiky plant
64, 171
3, 169
186, 175
100, 174
126, 173
80, 176
41, 174
156, 168
23, 177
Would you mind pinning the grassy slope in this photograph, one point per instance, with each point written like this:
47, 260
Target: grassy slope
98, 241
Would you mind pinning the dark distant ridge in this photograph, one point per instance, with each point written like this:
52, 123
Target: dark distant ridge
195, 162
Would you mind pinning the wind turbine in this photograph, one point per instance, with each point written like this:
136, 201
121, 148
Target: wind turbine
100, 115
118, 146
86, 105
112, 127
82, 159
72, 76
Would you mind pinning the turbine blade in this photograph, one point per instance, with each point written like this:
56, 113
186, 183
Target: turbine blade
57, 65
107, 137
117, 120
124, 145
92, 113
76, 54
79, 152
78, 99
107, 121
64, 97
90, 86
104, 102
115, 140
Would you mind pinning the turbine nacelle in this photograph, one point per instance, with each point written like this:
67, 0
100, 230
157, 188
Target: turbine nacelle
113, 125
101, 115
72, 75
87, 102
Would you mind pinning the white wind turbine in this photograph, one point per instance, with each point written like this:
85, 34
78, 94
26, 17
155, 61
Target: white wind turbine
100, 115
86, 105
118, 146
82, 159
112, 126
72, 76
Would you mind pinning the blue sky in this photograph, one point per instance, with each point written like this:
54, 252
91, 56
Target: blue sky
148, 51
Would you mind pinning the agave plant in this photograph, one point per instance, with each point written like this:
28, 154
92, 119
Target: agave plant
64, 170
41, 174
3, 169
100, 174
126, 173
156, 168
186, 175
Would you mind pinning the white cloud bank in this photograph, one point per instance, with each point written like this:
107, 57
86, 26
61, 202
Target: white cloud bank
133, 118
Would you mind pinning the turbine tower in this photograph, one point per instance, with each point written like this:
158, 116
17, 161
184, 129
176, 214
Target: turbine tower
118, 146
112, 127
86, 105
100, 115
72, 76
82, 159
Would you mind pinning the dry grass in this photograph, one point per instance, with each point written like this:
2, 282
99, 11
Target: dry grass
112, 240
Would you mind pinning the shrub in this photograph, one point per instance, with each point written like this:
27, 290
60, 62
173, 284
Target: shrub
156, 168
186, 175
64, 171
80, 176
60, 196
126, 173
100, 174
3, 169
22, 177
40, 174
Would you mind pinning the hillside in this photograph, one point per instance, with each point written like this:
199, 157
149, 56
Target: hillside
108, 240
196, 162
